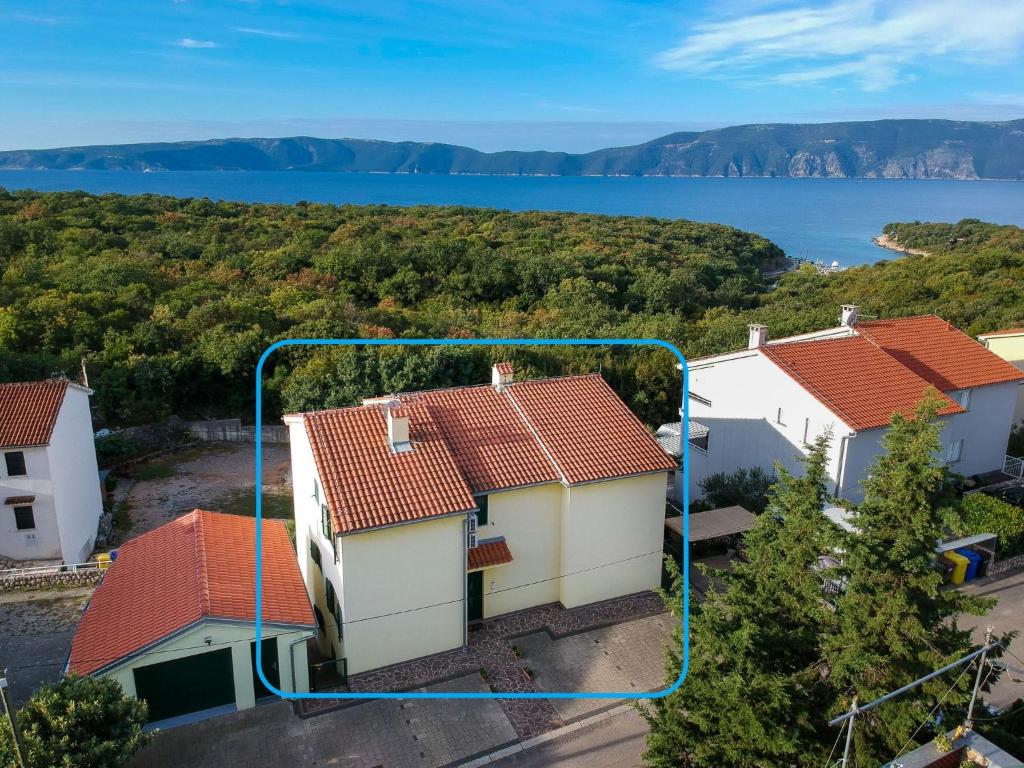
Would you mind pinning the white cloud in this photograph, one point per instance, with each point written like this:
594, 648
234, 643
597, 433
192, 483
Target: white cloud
188, 42
267, 33
872, 42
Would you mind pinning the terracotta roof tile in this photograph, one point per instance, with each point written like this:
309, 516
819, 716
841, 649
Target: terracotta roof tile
367, 485
939, 353
589, 432
504, 368
488, 554
854, 379
201, 565
28, 411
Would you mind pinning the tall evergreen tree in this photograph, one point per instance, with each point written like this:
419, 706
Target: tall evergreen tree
895, 623
754, 694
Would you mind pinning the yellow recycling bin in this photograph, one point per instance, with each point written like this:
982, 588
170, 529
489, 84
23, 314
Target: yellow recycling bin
104, 560
961, 563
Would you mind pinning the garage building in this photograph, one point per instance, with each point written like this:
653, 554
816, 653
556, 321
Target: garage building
173, 620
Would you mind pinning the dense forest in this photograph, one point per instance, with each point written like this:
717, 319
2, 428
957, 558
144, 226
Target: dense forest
168, 303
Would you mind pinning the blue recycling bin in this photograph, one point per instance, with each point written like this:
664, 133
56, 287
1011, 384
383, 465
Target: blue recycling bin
974, 562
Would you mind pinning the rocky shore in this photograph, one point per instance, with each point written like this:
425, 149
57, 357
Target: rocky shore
890, 243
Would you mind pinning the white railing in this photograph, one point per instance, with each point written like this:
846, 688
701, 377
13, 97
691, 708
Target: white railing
40, 570
1014, 467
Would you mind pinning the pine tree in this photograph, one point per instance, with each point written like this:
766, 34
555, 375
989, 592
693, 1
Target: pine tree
754, 694
895, 623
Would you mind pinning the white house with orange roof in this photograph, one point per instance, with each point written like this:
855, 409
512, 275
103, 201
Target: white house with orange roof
764, 404
419, 513
50, 500
173, 620
1009, 345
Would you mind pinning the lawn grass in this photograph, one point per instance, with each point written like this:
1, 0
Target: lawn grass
275, 505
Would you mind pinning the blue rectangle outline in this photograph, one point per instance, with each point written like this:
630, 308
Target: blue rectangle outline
685, 443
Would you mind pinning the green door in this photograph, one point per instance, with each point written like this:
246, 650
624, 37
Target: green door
270, 668
188, 684
475, 596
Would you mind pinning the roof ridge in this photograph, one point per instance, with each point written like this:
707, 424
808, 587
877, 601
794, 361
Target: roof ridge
202, 572
536, 436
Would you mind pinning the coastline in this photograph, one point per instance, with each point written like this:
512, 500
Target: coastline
890, 244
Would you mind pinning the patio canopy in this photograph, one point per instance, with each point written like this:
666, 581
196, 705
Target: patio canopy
714, 524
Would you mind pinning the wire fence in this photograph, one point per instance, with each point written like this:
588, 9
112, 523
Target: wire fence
232, 431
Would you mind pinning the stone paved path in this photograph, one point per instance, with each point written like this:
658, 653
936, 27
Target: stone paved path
491, 649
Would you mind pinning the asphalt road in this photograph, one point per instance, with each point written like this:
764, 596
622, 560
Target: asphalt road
1006, 616
612, 743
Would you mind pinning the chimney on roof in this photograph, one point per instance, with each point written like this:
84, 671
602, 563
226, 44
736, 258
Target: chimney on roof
398, 428
758, 336
501, 375
849, 315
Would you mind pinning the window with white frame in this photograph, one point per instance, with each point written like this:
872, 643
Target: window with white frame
954, 451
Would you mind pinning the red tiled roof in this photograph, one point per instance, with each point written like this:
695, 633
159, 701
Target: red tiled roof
29, 410
1003, 332
854, 379
367, 485
492, 445
589, 432
939, 353
472, 440
201, 565
504, 368
488, 554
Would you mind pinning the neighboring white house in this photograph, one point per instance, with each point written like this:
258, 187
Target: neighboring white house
174, 619
1009, 345
767, 402
418, 513
50, 500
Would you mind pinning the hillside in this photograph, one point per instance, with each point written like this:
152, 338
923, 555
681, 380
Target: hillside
918, 149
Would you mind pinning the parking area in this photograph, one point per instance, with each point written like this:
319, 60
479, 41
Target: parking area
35, 636
1006, 616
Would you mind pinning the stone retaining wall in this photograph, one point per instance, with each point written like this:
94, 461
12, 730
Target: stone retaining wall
49, 580
1008, 564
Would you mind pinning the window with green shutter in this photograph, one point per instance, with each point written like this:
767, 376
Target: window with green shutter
481, 516
325, 521
314, 553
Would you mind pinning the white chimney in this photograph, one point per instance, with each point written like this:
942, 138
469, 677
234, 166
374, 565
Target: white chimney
849, 315
501, 375
758, 336
398, 429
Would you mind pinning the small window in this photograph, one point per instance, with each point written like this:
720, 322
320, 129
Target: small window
325, 522
955, 451
15, 463
481, 516
316, 490
700, 443
332, 596
24, 519
320, 623
314, 553
963, 397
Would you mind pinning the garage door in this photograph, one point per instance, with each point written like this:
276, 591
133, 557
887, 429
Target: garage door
185, 685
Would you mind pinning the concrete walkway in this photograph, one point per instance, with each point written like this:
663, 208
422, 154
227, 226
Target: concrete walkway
1006, 616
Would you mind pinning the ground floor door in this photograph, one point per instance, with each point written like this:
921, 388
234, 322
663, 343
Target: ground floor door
189, 684
271, 670
475, 596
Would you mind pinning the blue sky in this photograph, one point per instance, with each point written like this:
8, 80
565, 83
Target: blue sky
564, 74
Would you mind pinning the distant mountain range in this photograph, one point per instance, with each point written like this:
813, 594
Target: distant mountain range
892, 149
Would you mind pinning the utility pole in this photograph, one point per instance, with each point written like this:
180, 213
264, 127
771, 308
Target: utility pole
9, 710
969, 720
849, 734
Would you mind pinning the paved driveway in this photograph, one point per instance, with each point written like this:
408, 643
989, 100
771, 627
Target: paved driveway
36, 629
1006, 616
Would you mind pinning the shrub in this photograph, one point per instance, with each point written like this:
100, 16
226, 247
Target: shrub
80, 721
746, 487
982, 513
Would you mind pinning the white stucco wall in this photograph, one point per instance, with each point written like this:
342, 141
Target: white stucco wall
1011, 349
746, 392
74, 476
403, 595
611, 539
985, 428
43, 541
530, 521
239, 638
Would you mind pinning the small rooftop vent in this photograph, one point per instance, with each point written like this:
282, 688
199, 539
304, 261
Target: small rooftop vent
398, 428
501, 375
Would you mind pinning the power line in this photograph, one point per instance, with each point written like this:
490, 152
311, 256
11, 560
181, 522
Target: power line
931, 714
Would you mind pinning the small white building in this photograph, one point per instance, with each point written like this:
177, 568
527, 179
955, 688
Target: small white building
766, 403
417, 514
50, 499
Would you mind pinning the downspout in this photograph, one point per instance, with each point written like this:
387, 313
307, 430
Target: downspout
465, 582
